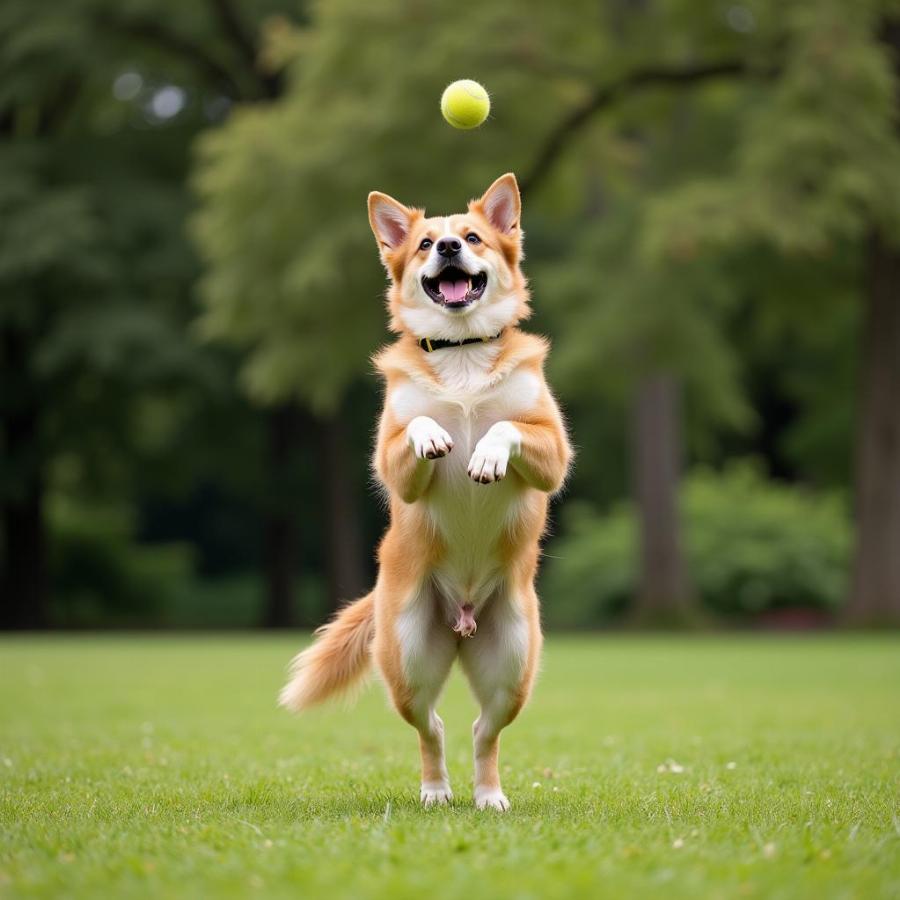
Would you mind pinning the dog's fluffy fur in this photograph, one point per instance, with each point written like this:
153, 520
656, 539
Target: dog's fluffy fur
470, 446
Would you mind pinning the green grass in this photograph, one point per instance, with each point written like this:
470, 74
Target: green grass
138, 766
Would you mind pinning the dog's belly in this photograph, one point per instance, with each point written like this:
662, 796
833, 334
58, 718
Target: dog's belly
470, 518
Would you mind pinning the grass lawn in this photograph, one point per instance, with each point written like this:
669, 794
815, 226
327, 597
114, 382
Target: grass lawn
677, 767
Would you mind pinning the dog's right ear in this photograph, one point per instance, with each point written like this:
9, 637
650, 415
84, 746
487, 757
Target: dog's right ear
390, 221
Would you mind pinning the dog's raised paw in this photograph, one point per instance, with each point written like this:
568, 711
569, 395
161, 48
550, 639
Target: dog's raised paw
435, 794
488, 463
492, 453
491, 798
427, 439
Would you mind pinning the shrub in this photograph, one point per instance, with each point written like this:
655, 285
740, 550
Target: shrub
101, 577
752, 545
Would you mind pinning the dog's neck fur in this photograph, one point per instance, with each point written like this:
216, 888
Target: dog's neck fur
466, 369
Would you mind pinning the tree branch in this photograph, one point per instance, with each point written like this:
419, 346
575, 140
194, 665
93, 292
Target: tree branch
571, 125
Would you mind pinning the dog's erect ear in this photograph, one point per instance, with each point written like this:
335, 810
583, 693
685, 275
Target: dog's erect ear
501, 204
390, 220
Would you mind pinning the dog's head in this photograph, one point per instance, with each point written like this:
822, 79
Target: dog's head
457, 276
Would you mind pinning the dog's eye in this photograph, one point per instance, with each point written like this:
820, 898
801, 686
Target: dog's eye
426, 244
473, 238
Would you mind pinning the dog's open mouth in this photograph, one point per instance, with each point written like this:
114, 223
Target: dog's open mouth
454, 288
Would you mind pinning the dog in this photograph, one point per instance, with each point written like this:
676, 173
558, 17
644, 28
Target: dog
471, 444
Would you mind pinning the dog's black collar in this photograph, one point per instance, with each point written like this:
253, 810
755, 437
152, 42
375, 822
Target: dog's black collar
431, 344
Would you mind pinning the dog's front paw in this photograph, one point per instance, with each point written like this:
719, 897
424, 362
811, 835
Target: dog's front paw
427, 439
491, 798
435, 793
490, 460
488, 463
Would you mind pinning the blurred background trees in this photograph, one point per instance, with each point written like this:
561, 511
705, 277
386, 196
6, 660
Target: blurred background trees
107, 400
191, 296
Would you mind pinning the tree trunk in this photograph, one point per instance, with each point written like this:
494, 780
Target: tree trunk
23, 587
280, 528
345, 569
875, 592
663, 593
23, 580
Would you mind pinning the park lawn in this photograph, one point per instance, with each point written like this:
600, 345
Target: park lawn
717, 766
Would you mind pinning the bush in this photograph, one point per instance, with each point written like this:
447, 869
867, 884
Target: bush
101, 577
236, 600
753, 546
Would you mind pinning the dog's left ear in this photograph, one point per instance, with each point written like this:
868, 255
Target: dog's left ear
501, 204
390, 221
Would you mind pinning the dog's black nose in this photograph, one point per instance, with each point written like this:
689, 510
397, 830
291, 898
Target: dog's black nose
448, 247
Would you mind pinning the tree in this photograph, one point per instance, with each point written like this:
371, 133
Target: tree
816, 161
224, 45
655, 332
282, 187
696, 141
36, 263
816, 173
94, 272
875, 594
292, 276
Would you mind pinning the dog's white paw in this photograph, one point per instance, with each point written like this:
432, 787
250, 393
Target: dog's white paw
435, 794
427, 439
490, 460
488, 464
491, 798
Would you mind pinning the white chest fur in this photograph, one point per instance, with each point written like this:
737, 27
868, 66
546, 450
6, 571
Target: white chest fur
469, 517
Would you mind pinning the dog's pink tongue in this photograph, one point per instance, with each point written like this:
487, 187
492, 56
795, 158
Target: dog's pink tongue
454, 290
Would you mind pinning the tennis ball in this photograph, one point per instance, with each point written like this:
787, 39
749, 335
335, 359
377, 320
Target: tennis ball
465, 104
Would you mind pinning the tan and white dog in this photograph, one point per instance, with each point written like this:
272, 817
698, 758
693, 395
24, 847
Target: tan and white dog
470, 446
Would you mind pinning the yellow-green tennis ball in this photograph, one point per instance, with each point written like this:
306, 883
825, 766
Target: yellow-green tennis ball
465, 104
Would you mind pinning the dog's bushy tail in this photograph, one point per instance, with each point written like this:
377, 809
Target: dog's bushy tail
336, 661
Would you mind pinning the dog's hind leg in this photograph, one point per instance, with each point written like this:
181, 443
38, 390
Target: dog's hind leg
500, 661
415, 660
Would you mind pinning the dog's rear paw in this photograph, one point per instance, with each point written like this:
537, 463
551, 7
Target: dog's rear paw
491, 798
435, 794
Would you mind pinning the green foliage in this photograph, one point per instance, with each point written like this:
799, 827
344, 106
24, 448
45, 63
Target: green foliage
95, 272
797, 325
234, 601
292, 275
101, 577
818, 160
97, 275
588, 575
619, 317
753, 546
758, 545
709, 229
